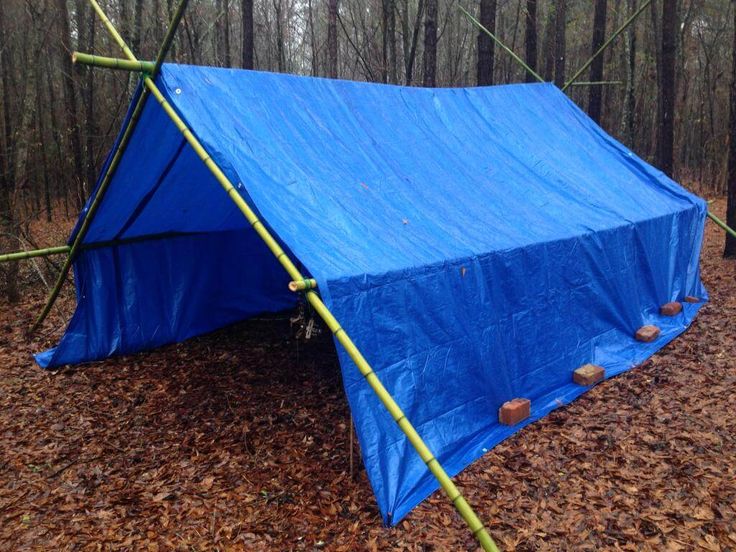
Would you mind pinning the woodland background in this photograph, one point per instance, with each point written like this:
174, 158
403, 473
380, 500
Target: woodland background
669, 101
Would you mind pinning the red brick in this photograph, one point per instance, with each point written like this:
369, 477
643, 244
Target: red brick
691, 299
588, 374
648, 333
671, 309
514, 411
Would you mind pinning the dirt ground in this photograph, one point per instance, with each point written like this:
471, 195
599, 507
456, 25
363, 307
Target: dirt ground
239, 440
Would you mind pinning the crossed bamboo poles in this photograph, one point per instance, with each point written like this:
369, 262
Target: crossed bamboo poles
583, 68
299, 282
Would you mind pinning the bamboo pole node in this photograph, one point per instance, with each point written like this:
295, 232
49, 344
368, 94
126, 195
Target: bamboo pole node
302, 285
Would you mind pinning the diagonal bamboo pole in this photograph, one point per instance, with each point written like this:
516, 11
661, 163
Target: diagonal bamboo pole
501, 44
21, 255
462, 506
113, 63
112, 167
722, 224
607, 43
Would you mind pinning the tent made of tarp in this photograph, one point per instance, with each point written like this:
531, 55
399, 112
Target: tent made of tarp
477, 244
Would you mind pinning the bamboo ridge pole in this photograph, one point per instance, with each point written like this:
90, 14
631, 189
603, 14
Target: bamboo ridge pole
117, 156
501, 44
21, 255
113, 63
607, 43
466, 512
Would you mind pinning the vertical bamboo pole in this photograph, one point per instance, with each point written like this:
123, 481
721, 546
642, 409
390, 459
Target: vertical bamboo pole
117, 155
462, 506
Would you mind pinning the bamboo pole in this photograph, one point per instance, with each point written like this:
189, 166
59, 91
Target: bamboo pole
117, 156
21, 255
501, 44
113, 63
596, 83
722, 224
466, 512
607, 43
303, 285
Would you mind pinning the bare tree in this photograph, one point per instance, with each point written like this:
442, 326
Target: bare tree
530, 38
667, 91
595, 95
70, 99
430, 44
560, 41
730, 249
246, 11
389, 41
486, 46
332, 8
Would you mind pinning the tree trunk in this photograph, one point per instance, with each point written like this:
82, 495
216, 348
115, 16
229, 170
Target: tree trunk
730, 249
595, 96
530, 39
226, 33
137, 33
630, 99
667, 89
281, 58
486, 46
70, 101
332, 8
246, 8
8, 224
430, 44
560, 41
410, 47
389, 41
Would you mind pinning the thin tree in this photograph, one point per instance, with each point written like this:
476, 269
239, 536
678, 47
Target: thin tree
486, 46
430, 44
667, 90
70, 99
389, 41
560, 41
630, 99
332, 8
595, 97
730, 249
530, 38
246, 12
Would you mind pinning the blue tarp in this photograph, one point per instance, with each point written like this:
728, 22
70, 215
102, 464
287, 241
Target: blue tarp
478, 244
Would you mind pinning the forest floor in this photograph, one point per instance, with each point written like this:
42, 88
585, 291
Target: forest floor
239, 440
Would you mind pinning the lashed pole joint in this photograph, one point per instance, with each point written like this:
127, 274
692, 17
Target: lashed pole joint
303, 285
476, 526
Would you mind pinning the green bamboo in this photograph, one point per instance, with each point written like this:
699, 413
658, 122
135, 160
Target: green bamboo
21, 255
117, 155
113, 63
596, 83
467, 513
501, 44
722, 224
303, 285
607, 43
